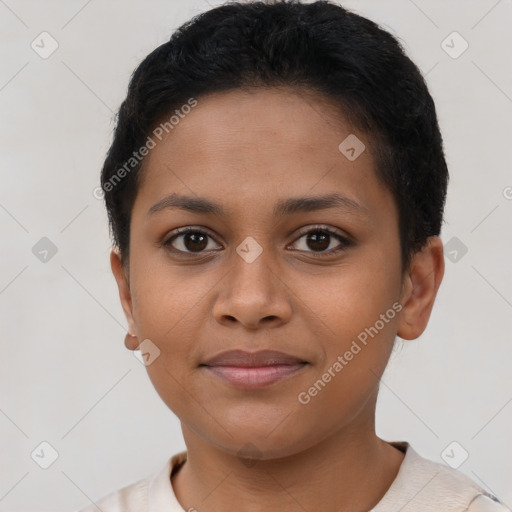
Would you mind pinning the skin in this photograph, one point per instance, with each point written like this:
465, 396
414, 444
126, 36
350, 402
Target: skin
245, 151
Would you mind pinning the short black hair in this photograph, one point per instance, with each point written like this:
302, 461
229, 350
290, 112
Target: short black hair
320, 47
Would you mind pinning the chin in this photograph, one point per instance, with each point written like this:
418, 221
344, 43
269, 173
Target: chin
259, 443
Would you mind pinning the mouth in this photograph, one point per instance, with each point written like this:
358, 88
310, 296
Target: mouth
253, 370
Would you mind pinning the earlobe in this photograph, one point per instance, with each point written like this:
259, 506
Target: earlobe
123, 285
420, 289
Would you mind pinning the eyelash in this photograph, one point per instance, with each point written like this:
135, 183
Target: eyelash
344, 241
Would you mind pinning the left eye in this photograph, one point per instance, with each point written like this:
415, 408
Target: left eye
318, 240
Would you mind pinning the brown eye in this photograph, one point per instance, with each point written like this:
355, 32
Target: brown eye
195, 241
188, 240
318, 240
322, 241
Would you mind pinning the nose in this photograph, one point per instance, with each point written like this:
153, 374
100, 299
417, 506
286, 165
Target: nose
253, 294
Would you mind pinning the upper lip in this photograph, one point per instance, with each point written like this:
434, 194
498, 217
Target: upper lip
241, 358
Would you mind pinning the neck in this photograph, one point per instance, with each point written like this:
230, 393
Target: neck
350, 470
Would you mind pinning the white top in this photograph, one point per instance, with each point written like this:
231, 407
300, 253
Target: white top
421, 485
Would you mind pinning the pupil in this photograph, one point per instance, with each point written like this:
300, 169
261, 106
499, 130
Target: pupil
195, 237
318, 237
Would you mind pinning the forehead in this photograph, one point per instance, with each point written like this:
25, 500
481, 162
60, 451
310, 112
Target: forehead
246, 149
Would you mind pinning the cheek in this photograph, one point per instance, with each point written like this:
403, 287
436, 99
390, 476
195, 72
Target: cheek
356, 348
165, 296
168, 305
352, 298
357, 314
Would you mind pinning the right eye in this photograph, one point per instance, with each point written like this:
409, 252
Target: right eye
188, 240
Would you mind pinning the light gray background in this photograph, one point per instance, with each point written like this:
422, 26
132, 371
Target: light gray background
65, 376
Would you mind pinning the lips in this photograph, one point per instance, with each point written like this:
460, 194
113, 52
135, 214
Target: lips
243, 359
253, 370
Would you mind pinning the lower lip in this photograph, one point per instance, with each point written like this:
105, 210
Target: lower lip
255, 377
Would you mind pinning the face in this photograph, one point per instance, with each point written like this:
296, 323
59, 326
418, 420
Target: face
311, 279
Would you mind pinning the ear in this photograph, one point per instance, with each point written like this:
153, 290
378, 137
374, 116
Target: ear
420, 286
123, 285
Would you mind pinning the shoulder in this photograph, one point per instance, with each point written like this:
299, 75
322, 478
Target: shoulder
483, 503
130, 498
449, 487
153, 493
425, 485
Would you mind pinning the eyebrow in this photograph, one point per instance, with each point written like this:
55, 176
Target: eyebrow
282, 208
